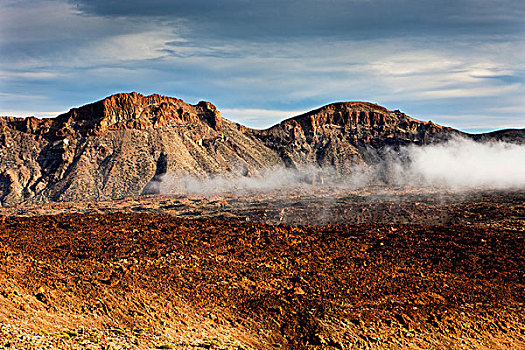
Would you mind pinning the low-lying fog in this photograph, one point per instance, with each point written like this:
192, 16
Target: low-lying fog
457, 165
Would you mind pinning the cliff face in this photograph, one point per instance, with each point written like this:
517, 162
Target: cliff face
115, 147
122, 145
343, 134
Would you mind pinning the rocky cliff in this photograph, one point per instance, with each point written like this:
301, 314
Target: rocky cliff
115, 147
121, 145
343, 134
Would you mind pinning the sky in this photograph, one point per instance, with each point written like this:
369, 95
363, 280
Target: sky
458, 63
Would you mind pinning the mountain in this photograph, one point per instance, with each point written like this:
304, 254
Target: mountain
121, 145
114, 147
343, 134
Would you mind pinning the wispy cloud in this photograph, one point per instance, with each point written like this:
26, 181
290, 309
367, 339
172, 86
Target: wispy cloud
39, 75
267, 58
475, 122
128, 47
22, 113
471, 92
257, 118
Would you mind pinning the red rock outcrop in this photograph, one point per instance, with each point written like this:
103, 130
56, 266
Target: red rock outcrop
341, 134
115, 147
122, 145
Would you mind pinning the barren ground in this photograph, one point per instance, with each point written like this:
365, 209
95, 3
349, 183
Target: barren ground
405, 270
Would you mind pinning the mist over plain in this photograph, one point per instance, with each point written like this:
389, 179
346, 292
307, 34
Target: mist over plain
458, 165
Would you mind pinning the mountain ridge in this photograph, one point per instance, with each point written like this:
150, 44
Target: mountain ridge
122, 145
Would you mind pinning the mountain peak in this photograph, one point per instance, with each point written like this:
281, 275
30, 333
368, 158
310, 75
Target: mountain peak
136, 111
333, 135
122, 145
351, 115
352, 105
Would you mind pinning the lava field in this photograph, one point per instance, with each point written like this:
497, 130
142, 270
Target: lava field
128, 280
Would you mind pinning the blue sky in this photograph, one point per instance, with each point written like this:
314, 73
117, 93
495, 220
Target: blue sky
458, 63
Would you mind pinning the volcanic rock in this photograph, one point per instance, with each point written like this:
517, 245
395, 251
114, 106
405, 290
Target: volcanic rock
343, 134
115, 147
123, 145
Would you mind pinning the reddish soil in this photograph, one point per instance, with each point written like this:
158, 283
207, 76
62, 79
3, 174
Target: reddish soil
144, 281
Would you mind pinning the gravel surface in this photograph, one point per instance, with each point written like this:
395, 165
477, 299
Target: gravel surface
155, 281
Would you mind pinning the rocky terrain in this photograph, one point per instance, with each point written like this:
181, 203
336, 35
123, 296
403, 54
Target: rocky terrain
115, 147
121, 146
92, 256
343, 134
389, 269
145, 281
325, 206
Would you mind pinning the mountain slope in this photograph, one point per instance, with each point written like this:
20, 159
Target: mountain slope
343, 134
114, 147
122, 145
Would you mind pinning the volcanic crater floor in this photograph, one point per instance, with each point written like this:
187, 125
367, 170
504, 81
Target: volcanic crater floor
124, 280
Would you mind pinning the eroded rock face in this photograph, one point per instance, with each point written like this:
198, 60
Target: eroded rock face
121, 146
114, 148
343, 134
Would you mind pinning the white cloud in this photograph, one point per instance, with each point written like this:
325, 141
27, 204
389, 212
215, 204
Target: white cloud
136, 46
481, 121
26, 113
90, 55
465, 164
471, 91
519, 108
54, 35
458, 165
413, 62
28, 75
257, 118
